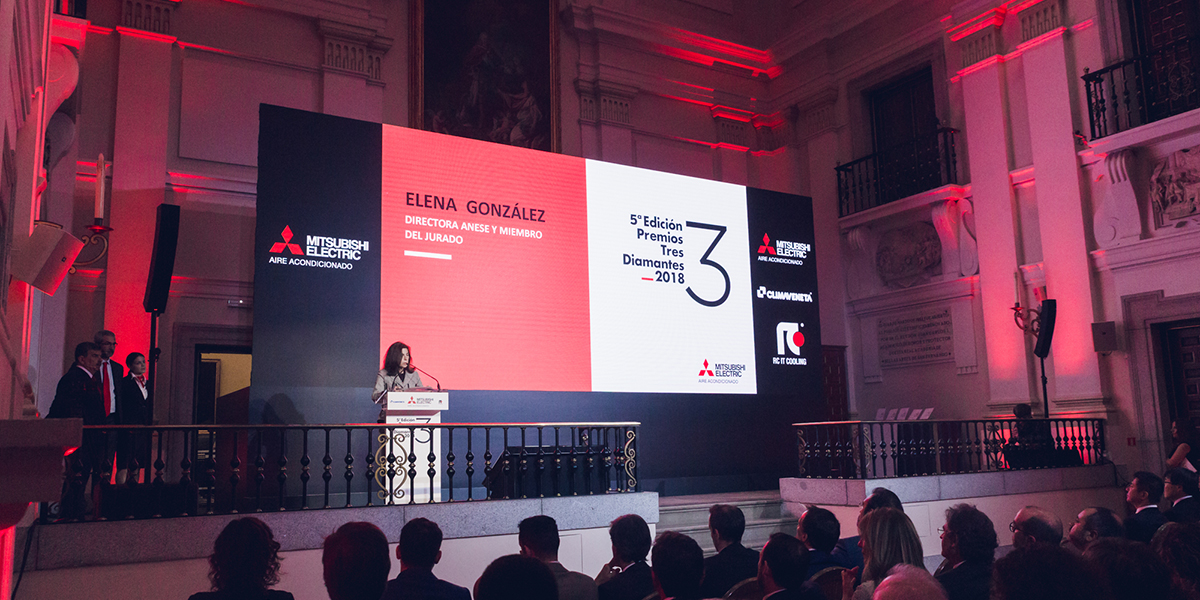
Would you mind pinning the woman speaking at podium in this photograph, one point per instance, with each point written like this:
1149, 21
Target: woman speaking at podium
397, 375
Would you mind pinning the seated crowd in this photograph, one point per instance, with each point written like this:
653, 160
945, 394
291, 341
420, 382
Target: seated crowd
1102, 556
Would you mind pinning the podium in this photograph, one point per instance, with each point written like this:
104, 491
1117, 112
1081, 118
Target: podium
402, 462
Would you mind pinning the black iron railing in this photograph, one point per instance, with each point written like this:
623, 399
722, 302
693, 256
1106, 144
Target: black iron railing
220, 469
70, 8
879, 449
1144, 89
925, 163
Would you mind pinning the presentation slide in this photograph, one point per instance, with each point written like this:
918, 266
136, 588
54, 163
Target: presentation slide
511, 269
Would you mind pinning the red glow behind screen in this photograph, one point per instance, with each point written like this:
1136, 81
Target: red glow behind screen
503, 312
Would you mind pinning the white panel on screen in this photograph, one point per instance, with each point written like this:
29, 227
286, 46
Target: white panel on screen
647, 332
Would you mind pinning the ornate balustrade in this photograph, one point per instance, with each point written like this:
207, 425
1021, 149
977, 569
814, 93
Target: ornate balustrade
221, 469
1144, 89
916, 166
881, 449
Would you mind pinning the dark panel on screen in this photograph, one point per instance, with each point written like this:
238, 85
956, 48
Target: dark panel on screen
316, 307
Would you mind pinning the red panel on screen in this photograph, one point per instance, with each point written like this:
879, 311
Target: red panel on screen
481, 307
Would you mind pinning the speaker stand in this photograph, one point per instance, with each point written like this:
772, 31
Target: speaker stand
153, 361
1045, 395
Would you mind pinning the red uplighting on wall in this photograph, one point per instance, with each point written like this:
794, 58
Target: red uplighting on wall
709, 61
718, 45
991, 18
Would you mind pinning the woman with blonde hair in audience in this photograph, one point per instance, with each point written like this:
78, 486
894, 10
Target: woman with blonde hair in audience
888, 538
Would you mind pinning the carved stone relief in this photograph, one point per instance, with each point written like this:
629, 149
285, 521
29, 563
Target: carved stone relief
908, 255
1117, 220
1175, 187
861, 278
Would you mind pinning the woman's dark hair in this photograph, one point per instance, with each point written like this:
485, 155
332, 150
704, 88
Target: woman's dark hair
245, 557
516, 577
391, 360
132, 357
1178, 545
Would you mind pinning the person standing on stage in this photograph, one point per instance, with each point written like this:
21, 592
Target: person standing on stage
78, 397
133, 410
111, 374
397, 374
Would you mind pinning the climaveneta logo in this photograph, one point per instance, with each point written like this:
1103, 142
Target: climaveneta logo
320, 251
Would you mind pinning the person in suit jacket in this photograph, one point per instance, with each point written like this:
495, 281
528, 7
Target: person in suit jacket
1143, 495
678, 566
627, 576
111, 373
419, 550
733, 562
134, 409
818, 529
781, 570
1179, 488
78, 397
355, 562
538, 537
969, 545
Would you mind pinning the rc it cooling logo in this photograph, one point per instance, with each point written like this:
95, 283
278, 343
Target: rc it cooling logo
783, 251
318, 247
721, 372
788, 340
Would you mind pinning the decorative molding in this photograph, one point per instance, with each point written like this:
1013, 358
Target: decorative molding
148, 15
353, 49
923, 200
1117, 220
818, 112
1164, 249
964, 287
1033, 275
980, 46
587, 108
616, 109
1172, 128
733, 133
1040, 18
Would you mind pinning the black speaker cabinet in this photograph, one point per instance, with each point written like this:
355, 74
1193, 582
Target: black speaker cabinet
1046, 328
162, 261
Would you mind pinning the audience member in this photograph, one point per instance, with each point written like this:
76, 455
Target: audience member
906, 582
538, 537
677, 563
781, 570
1092, 524
355, 562
1179, 488
1034, 524
78, 397
969, 546
1043, 571
888, 538
819, 530
1178, 545
627, 576
1143, 495
1187, 447
847, 552
1129, 570
420, 548
516, 577
733, 562
244, 563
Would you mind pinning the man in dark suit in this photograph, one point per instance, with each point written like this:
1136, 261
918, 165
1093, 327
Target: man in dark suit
819, 530
1143, 495
733, 562
419, 550
627, 576
110, 373
969, 546
678, 566
354, 561
781, 569
538, 537
1179, 488
78, 397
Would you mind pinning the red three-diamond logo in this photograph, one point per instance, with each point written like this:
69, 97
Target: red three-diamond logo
706, 370
287, 243
766, 247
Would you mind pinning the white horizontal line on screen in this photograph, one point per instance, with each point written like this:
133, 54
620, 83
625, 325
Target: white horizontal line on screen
426, 254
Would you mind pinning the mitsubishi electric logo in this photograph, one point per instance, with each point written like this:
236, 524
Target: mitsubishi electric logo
318, 247
721, 372
783, 251
706, 371
766, 248
788, 340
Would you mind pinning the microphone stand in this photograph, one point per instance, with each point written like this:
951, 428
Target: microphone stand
435, 380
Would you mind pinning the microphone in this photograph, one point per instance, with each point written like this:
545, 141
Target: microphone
439, 385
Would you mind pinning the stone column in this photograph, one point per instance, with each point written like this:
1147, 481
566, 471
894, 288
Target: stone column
987, 136
138, 180
819, 125
1076, 379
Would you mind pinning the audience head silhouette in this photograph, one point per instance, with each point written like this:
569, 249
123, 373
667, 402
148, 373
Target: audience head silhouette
1178, 545
678, 565
783, 564
356, 563
245, 557
1129, 569
906, 582
538, 537
726, 524
1179, 483
888, 539
881, 498
819, 529
420, 544
516, 577
630, 537
1094, 523
968, 535
1034, 524
1145, 489
1044, 571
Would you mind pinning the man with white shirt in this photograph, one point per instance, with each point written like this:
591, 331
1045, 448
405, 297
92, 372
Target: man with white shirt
1143, 495
111, 374
1179, 489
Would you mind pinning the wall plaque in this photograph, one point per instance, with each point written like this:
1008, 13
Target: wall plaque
916, 338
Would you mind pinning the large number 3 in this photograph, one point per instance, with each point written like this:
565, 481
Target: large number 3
720, 229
